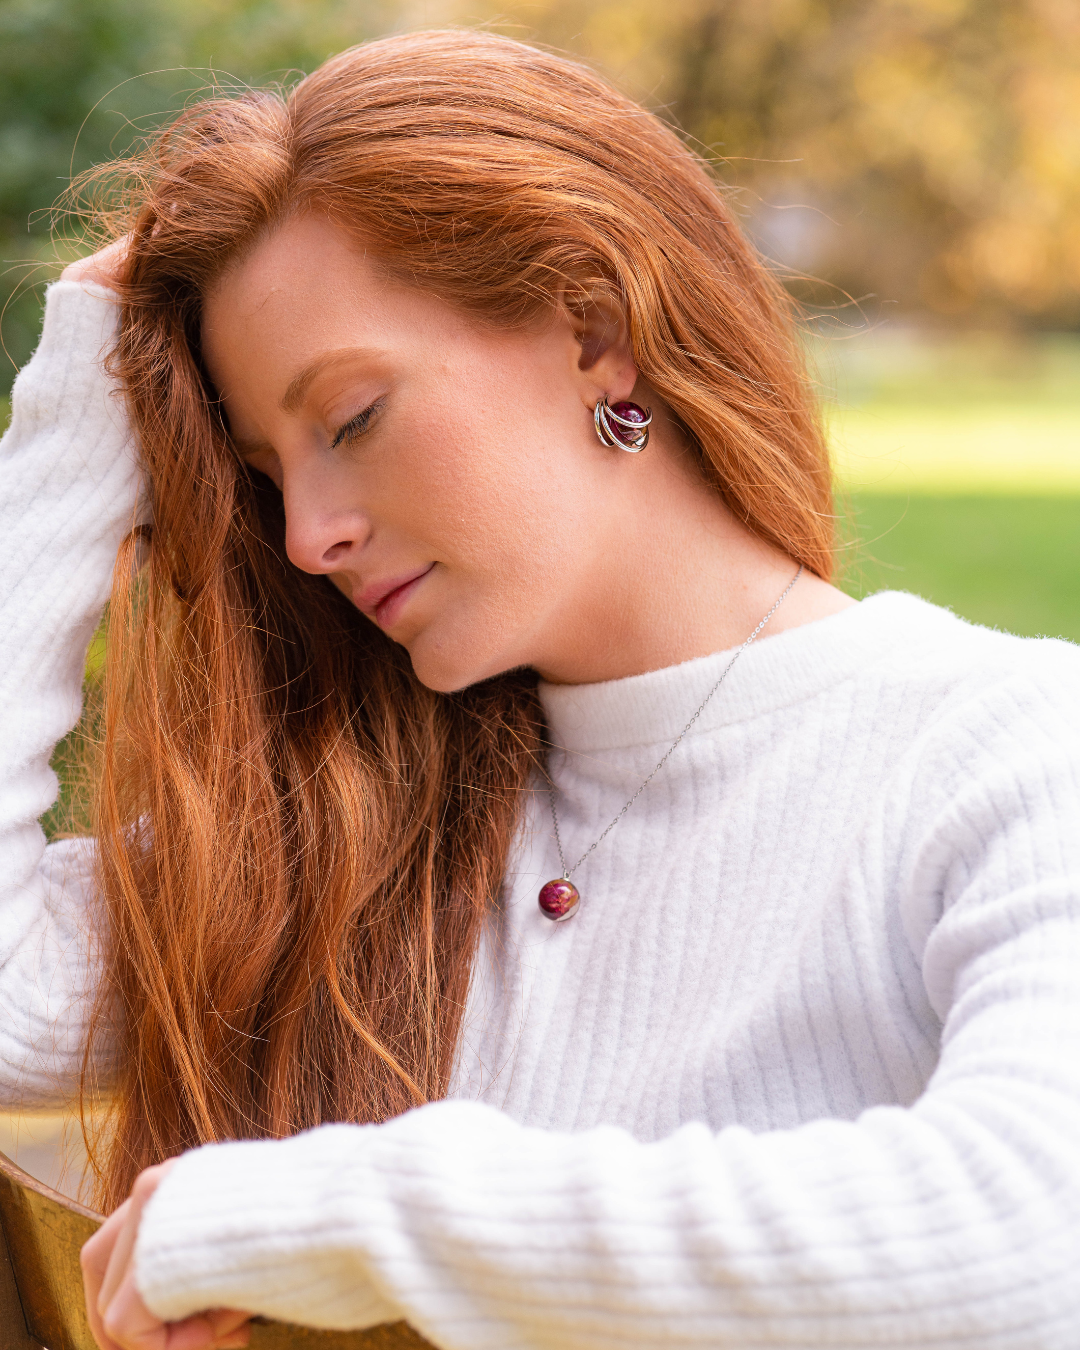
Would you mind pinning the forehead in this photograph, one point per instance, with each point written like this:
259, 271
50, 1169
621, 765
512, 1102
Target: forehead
304, 261
306, 287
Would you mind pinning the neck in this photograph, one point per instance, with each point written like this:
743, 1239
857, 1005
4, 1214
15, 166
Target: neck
673, 577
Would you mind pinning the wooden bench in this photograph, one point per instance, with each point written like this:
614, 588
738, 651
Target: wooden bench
41, 1294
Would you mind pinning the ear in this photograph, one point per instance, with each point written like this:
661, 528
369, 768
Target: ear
606, 361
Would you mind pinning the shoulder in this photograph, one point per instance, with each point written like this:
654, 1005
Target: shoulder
910, 676
976, 728
957, 671
978, 807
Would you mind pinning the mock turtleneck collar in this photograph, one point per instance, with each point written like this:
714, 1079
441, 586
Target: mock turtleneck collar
770, 674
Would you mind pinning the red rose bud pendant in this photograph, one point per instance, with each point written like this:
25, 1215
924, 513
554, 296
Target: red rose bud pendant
559, 899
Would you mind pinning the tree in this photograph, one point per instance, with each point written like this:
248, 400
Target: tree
925, 153
81, 79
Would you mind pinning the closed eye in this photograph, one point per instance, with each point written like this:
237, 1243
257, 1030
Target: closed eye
355, 426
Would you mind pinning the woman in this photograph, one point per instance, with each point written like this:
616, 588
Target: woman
474, 449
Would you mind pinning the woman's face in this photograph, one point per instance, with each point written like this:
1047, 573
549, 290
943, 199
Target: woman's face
445, 475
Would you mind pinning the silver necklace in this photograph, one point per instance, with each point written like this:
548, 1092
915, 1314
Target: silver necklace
559, 899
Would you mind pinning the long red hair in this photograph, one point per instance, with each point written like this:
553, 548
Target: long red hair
298, 841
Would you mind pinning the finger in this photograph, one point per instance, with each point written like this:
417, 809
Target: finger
100, 267
119, 1257
226, 1320
131, 1324
94, 1259
193, 1333
97, 1329
237, 1340
93, 1315
123, 1247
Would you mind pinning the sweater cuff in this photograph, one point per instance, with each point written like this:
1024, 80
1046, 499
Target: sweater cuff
79, 321
259, 1227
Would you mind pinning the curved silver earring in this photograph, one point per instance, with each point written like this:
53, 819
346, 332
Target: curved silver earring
626, 425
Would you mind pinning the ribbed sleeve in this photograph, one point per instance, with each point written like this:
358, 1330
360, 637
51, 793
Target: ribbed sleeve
948, 1220
805, 1070
69, 488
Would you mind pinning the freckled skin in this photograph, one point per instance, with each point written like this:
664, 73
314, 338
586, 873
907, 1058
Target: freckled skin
479, 461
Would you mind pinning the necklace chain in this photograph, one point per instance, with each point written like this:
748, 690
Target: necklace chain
671, 749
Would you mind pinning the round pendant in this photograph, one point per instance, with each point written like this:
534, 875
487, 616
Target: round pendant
559, 899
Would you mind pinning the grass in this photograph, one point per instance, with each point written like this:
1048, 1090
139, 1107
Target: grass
979, 415
961, 464
1009, 562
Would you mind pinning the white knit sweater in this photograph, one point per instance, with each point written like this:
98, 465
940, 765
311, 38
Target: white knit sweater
803, 1071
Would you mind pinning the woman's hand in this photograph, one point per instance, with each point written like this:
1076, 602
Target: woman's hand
101, 267
119, 1319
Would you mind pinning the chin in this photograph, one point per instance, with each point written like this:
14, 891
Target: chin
448, 670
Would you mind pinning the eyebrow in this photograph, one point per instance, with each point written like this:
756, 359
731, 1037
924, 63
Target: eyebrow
299, 384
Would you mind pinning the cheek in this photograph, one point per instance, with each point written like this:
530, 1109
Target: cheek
514, 537
508, 503
498, 486
507, 516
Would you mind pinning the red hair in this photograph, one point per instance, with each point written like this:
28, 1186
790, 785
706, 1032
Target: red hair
298, 841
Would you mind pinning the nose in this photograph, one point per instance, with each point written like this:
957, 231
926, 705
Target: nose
320, 538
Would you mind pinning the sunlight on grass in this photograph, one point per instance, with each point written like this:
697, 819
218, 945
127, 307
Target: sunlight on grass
978, 414
1016, 451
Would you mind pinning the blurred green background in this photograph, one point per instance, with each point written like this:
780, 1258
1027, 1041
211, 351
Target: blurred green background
912, 167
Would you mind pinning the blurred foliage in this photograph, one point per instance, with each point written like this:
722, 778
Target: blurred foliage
901, 368
926, 152
81, 80
921, 156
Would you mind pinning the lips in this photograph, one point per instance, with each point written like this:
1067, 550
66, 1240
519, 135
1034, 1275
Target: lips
382, 600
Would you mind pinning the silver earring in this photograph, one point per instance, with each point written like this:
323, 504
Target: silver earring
625, 425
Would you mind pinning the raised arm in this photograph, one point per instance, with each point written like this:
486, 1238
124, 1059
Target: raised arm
69, 493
